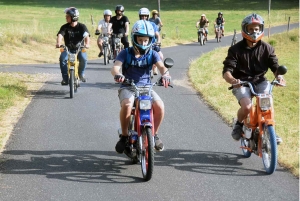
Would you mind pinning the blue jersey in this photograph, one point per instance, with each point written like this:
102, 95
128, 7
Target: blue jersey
137, 69
155, 30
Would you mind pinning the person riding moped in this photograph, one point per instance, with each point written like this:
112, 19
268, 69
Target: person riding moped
156, 19
203, 23
139, 69
249, 60
120, 25
220, 21
72, 32
104, 27
144, 15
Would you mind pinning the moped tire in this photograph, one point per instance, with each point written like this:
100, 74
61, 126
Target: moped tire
269, 149
71, 82
105, 54
201, 39
147, 153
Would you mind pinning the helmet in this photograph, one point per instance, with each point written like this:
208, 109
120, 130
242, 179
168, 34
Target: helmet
119, 7
253, 19
73, 12
203, 15
142, 28
154, 12
220, 13
107, 12
144, 11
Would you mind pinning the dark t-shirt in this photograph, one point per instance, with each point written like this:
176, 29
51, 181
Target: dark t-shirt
72, 35
118, 26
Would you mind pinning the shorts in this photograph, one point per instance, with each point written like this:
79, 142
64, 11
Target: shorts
244, 92
128, 93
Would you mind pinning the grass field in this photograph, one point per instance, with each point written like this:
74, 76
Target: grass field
28, 35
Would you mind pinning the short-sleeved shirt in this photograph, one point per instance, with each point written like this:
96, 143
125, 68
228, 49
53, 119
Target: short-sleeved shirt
156, 21
103, 26
118, 26
202, 23
139, 68
72, 35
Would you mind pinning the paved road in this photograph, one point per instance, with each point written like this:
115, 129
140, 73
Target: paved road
63, 149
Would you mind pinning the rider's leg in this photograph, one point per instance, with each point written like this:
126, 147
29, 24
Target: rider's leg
82, 57
124, 41
63, 61
99, 43
158, 114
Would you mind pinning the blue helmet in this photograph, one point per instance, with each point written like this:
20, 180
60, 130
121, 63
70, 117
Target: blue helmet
142, 28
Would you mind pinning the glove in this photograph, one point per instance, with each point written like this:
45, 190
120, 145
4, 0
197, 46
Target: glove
165, 80
156, 48
119, 78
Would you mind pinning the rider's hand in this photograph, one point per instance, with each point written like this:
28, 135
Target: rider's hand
235, 83
166, 79
87, 46
281, 80
57, 45
119, 78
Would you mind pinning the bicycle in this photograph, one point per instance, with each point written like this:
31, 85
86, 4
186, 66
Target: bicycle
117, 46
201, 36
259, 136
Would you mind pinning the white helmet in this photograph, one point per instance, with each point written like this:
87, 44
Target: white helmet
107, 12
144, 11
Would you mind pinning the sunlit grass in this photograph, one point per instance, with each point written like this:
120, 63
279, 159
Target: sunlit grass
205, 73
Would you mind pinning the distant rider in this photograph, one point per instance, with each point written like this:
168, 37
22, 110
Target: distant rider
144, 15
120, 24
136, 63
203, 23
220, 21
72, 32
104, 27
156, 19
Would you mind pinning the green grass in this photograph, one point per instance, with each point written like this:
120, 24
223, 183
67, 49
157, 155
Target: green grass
205, 73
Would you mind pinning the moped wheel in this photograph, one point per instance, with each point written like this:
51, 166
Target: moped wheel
218, 36
269, 149
147, 153
71, 82
201, 39
105, 55
245, 143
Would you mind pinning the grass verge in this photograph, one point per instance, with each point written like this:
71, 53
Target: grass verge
205, 74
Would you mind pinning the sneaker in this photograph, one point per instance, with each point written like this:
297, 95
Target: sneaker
237, 132
222, 34
82, 78
278, 140
100, 54
159, 146
64, 82
155, 72
121, 144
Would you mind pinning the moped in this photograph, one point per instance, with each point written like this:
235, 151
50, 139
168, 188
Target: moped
202, 36
140, 143
259, 136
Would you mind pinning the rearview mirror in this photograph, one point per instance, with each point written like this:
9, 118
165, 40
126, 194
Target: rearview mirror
168, 62
281, 70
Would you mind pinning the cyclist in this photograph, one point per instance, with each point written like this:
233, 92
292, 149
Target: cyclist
136, 63
156, 19
120, 24
72, 32
144, 15
105, 28
249, 60
220, 21
203, 23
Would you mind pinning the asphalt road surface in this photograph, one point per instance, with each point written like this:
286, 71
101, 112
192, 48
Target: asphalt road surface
63, 149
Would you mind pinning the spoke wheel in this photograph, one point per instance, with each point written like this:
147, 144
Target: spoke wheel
147, 153
245, 143
269, 149
72, 82
201, 39
105, 55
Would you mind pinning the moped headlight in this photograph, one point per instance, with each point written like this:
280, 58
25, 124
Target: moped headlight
72, 57
117, 40
265, 103
145, 104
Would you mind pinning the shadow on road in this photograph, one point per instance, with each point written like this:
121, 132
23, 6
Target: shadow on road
108, 167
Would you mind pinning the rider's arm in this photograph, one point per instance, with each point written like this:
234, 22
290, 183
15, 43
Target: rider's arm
157, 36
115, 70
197, 24
229, 78
58, 40
126, 28
162, 69
87, 42
109, 28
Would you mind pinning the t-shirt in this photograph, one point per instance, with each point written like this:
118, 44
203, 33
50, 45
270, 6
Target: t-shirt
103, 26
139, 70
73, 35
156, 21
118, 26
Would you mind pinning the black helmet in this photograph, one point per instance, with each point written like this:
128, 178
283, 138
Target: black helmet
220, 13
73, 12
119, 7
